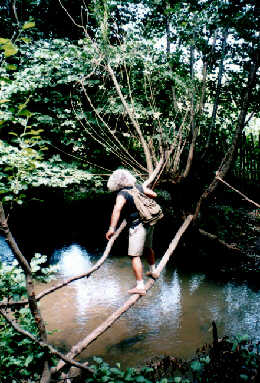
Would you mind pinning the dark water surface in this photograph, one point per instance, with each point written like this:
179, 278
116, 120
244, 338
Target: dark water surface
173, 318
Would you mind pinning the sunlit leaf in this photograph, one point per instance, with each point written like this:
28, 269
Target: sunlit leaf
25, 112
9, 49
29, 24
11, 67
36, 132
27, 40
3, 41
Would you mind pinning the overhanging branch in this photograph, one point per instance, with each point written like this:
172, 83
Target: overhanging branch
97, 265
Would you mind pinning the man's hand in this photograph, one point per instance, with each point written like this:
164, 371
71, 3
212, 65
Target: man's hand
149, 192
110, 233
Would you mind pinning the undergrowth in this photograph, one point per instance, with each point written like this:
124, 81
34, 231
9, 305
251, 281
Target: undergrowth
228, 361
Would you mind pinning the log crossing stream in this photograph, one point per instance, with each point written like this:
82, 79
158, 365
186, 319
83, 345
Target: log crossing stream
174, 318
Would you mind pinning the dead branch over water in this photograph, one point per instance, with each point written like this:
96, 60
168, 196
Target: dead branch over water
237, 191
97, 265
213, 237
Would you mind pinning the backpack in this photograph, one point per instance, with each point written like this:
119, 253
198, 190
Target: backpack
149, 211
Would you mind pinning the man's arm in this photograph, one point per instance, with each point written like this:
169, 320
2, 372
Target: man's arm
120, 201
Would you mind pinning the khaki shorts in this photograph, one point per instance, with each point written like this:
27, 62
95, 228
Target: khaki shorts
140, 236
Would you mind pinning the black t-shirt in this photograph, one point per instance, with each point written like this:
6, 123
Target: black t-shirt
130, 212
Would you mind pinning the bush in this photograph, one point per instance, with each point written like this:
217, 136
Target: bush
20, 357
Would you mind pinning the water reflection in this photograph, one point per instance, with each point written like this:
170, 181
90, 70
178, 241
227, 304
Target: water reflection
173, 318
72, 260
195, 282
243, 308
96, 292
6, 254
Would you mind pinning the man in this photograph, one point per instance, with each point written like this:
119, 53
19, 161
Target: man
140, 236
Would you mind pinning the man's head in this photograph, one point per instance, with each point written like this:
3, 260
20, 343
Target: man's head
120, 179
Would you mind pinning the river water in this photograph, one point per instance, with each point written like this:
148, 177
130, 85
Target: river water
174, 318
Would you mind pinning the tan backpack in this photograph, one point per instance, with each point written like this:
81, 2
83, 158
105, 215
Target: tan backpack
149, 211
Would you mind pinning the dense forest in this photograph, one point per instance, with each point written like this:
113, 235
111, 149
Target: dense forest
167, 89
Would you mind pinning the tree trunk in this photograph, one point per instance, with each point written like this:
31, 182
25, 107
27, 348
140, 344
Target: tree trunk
167, 28
30, 288
219, 86
227, 160
195, 120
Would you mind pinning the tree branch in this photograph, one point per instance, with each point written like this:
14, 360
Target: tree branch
237, 191
213, 237
155, 173
44, 345
147, 153
97, 265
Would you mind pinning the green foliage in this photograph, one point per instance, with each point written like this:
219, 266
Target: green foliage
20, 358
234, 360
42, 100
12, 280
231, 221
43, 106
104, 373
24, 167
8, 47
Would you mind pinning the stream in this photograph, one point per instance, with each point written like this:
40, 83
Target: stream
174, 318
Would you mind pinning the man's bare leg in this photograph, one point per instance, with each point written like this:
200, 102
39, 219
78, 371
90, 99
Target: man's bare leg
138, 272
137, 268
150, 256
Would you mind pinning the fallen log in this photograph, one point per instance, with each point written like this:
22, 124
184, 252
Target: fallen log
82, 345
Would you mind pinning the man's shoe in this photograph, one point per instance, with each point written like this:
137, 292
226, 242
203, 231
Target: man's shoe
136, 290
153, 274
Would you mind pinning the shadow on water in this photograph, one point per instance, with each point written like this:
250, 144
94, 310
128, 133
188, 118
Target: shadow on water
174, 318
126, 344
